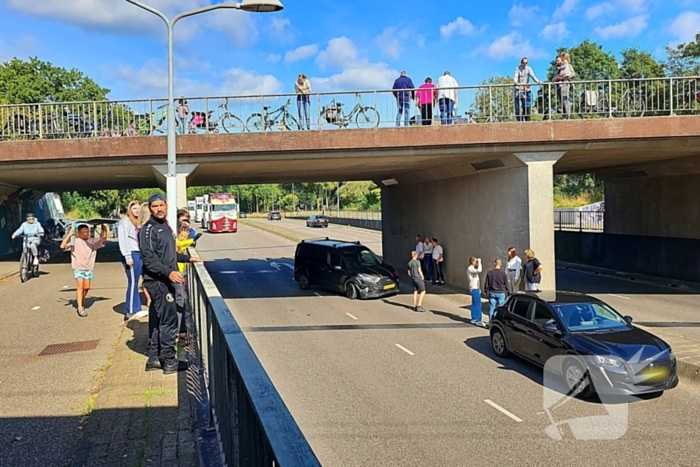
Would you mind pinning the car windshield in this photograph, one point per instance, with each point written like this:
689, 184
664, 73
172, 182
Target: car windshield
590, 317
361, 257
223, 207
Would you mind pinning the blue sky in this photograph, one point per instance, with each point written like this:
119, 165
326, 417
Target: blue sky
339, 44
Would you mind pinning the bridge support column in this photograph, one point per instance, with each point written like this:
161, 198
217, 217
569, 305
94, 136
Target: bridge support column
183, 171
477, 215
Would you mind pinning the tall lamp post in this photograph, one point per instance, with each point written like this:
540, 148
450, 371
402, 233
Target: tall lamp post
255, 6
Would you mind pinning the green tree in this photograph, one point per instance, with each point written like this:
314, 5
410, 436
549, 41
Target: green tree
35, 81
637, 63
498, 101
590, 62
680, 62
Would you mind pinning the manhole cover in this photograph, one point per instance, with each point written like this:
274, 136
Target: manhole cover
81, 346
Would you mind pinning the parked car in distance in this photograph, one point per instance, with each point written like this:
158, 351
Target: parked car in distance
347, 267
242, 215
317, 221
593, 347
274, 216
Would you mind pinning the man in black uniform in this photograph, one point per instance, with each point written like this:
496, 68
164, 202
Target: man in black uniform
160, 274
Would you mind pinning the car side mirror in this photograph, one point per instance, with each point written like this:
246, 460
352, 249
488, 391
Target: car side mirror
551, 327
628, 319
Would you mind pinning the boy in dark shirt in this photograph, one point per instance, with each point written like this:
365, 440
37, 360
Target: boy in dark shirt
496, 286
418, 280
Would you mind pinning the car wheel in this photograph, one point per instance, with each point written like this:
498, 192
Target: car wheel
351, 291
304, 282
577, 379
498, 343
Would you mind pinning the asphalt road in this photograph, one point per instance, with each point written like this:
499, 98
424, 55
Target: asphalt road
374, 383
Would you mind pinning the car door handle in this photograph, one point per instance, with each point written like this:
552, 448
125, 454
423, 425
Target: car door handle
529, 333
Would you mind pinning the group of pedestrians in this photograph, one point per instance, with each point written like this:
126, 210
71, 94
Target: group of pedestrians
426, 264
427, 95
427, 261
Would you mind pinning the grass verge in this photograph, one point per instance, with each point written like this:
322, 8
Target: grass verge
272, 229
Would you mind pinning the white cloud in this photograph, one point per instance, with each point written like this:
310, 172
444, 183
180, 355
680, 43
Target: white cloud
120, 16
353, 71
520, 15
599, 10
626, 29
392, 41
685, 26
565, 9
301, 53
633, 5
150, 81
555, 31
512, 46
459, 26
281, 28
272, 58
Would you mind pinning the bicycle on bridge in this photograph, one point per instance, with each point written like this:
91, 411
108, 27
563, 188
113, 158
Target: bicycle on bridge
267, 120
364, 116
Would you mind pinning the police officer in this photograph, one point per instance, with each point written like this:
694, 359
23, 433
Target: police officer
160, 274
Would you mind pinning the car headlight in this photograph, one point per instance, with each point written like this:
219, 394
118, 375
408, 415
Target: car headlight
609, 362
368, 278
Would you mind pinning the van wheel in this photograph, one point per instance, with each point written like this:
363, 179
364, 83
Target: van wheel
350, 291
304, 282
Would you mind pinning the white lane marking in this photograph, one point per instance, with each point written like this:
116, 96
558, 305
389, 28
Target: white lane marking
352, 316
502, 410
619, 296
36, 308
404, 349
65, 286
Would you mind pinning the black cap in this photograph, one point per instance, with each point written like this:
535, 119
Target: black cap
155, 197
29, 214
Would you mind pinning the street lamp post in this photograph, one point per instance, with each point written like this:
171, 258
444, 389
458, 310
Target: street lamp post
256, 6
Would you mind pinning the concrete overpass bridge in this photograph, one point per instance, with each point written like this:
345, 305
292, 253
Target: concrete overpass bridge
478, 187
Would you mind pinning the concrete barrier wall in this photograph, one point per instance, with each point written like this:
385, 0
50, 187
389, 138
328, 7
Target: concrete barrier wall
674, 258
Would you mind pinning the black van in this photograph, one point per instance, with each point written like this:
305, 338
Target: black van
346, 267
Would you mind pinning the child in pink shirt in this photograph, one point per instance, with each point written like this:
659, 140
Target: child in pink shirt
83, 254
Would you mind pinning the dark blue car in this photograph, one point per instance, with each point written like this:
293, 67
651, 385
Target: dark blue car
593, 347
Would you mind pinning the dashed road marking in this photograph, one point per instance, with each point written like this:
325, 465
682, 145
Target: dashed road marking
619, 296
502, 410
36, 308
65, 287
404, 349
352, 316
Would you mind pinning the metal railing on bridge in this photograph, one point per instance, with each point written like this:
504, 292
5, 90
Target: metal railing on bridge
253, 424
581, 221
339, 110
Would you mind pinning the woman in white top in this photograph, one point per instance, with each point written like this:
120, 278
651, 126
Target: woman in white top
473, 272
130, 257
513, 268
302, 87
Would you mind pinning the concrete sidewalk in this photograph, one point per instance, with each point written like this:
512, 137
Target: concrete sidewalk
74, 389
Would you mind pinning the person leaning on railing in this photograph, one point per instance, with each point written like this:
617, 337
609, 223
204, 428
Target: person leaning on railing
302, 87
564, 76
521, 77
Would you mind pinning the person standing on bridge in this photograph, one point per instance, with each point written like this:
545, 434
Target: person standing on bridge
426, 96
522, 76
302, 87
130, 257
447, 97
418, 281
182, 111
404, 93
160, 274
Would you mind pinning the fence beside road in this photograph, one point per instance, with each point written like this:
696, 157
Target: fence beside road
588, 221
253, 425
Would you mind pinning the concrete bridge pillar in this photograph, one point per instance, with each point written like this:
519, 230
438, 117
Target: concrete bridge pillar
183, 171
510, 203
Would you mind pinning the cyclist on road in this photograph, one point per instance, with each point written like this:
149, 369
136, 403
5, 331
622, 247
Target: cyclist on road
32, 230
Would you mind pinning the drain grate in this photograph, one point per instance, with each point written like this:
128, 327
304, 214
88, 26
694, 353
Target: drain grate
68, 347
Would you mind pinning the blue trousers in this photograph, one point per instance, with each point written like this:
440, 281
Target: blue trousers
476, 305
447, 108
496, 299
132, 303
428, 266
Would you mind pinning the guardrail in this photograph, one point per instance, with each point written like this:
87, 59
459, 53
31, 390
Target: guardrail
589, 221
353, 109
342, 214
253, 424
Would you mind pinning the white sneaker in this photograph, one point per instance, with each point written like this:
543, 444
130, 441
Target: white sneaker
36, 261
141, 314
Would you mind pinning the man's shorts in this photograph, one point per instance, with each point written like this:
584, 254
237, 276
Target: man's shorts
418, 285
85, 274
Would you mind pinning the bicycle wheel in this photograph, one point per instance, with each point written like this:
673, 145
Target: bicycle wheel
367, 117
24, 268
255, 123
291, 123
231, 124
